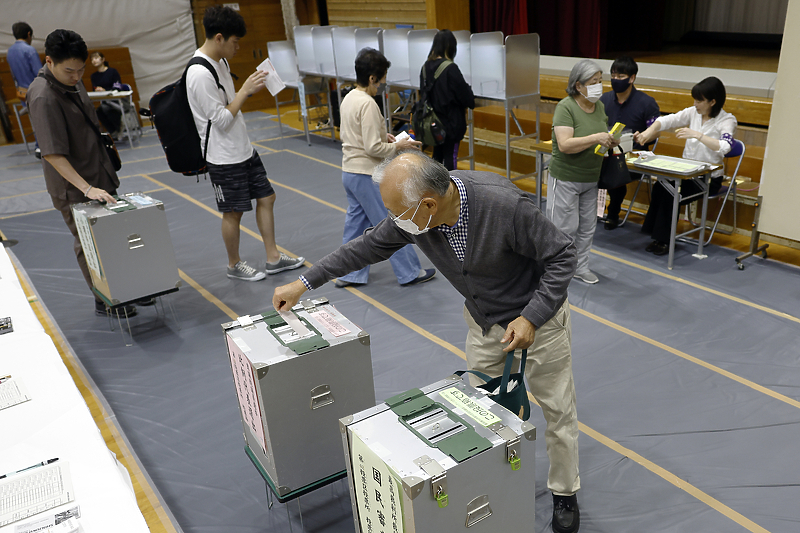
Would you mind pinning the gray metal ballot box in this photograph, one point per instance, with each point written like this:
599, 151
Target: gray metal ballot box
127, 247
294, 386
442, 458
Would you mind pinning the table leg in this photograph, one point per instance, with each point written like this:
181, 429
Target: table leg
676, 201
508, 144
125, 121
539, 171
706, 184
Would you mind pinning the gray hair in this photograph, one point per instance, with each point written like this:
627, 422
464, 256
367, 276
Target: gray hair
424, 176
581, 72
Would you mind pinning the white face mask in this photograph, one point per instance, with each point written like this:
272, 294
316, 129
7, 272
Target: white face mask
593, 92
408, 225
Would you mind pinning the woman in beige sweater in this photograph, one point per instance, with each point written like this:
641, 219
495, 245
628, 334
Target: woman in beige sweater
365, 143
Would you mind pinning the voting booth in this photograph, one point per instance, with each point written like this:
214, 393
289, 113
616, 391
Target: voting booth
507, 73
296, 374
127, 248
369, 38
313, 55
441, 458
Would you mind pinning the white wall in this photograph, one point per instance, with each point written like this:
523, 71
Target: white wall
158, 33
780, 176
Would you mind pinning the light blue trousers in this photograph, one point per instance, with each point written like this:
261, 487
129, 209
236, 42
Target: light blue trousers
365, 209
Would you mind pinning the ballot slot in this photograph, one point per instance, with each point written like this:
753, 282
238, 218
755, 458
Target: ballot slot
435, 425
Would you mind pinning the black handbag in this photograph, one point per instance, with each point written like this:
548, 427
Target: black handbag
614, 172
105, 139
515, 400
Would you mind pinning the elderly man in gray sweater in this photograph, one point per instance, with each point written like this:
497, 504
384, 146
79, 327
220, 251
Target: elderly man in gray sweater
513, 267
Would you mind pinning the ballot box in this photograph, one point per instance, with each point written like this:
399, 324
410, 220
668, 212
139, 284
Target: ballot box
127, 247
295, 376
440, 458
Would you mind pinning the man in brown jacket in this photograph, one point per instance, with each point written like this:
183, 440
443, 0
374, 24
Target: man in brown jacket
76, 165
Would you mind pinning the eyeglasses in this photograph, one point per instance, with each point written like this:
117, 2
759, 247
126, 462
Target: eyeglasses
395, 218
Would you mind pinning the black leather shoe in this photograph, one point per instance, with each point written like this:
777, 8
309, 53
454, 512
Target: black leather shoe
611, 223
661, 248
651, 246
566, 515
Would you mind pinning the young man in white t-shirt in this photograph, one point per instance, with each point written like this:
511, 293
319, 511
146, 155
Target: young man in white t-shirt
234, 166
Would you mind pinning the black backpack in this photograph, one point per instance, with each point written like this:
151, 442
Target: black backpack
427, 126
174, 122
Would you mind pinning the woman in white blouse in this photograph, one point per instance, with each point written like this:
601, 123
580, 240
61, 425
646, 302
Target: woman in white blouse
708, 131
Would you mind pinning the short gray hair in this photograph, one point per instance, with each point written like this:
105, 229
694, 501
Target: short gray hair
425, 176
581, 72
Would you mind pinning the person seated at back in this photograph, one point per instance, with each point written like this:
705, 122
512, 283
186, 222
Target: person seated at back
631, 107
107, 79
23, 59
24, 63
708, 131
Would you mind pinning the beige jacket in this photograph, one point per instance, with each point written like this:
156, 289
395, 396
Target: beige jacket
363, 134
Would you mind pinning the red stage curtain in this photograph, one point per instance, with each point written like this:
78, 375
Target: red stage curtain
508, 16
569, 27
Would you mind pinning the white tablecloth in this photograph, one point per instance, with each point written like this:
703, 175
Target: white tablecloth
56, 422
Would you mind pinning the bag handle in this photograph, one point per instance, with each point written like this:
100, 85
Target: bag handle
95, 128
506, 370
425, 89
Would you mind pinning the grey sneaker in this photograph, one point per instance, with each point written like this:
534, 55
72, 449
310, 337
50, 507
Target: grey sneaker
587, 276
284, 263
245, 272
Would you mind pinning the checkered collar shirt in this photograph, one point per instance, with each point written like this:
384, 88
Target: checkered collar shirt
457, 235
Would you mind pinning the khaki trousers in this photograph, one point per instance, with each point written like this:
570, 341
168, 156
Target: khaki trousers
549, 374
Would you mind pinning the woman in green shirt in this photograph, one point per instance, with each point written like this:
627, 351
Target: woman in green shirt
579, 125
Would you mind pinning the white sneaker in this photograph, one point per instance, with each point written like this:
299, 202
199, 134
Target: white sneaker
284, 263
587, 276
245, 272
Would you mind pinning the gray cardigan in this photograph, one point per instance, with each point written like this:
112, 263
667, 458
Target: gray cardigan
517, 263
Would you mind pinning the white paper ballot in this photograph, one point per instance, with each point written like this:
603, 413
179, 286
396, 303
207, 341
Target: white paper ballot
296, 324
273, 82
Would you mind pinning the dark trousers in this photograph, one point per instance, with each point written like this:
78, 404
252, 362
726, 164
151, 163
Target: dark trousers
447, 154
73, 197
109, 116
615, 197
658, 220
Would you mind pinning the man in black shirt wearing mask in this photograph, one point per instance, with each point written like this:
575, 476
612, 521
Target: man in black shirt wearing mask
633, 108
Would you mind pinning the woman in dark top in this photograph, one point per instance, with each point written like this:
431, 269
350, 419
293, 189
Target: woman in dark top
106, 79
450, 97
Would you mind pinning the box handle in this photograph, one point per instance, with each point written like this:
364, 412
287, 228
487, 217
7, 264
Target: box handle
321, 396
135, 241
478, 509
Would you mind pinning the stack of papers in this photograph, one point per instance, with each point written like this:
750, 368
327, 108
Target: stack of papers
273, 82
12, 392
